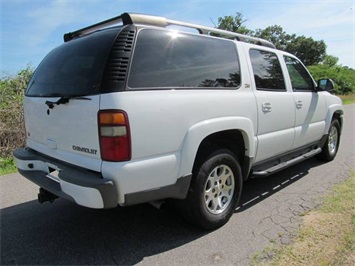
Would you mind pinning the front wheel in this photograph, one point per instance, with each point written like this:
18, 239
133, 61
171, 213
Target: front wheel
331, 146
215, 191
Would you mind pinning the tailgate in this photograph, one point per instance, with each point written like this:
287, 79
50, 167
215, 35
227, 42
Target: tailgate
67, 132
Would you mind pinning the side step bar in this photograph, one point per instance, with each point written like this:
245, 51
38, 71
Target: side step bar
286, 164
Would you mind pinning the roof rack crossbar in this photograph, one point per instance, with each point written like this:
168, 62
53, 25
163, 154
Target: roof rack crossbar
132, 18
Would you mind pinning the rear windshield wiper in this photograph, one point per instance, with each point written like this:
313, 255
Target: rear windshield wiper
64, 100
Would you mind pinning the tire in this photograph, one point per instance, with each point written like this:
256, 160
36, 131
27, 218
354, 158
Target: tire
331, 146
214, 192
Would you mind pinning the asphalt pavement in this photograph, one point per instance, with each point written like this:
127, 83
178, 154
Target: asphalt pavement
63, 233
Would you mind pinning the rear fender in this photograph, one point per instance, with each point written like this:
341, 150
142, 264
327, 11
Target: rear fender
198, 132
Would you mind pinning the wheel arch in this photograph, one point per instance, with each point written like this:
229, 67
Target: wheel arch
335, 111
339, 116
233, 133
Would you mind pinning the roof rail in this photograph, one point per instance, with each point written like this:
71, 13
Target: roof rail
132, 18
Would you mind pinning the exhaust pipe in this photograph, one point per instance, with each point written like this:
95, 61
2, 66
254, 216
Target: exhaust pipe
45, 195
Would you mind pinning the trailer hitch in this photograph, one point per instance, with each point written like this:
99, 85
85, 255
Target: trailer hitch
45, 195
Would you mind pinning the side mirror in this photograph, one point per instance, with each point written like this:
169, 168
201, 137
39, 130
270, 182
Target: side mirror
325, 85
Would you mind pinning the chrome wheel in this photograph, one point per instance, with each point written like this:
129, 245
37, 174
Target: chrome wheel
333, 140
219, 189
331, 146
214, 191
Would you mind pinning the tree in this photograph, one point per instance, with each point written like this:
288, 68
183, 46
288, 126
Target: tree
233, 23
330, 60
276, 35
310, 52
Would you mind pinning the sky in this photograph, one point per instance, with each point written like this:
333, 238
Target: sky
31, 28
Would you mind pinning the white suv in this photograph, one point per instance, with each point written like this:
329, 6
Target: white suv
138, 112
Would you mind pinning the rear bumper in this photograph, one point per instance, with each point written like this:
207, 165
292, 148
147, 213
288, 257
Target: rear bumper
81, 186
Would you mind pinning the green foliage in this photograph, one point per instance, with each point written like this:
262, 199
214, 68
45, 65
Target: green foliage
7, 166
310, 52
276, 35
12, 89
12, 130
343, 77
330, 60
233, 23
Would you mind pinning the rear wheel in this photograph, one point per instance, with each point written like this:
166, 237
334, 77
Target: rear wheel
331, 146
215, 191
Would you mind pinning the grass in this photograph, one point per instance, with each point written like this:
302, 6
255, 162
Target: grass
7, 166
327, 236
348, 99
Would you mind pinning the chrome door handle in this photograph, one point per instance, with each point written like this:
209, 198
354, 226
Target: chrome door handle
266, 107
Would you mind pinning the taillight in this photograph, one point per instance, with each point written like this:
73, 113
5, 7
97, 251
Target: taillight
114, 133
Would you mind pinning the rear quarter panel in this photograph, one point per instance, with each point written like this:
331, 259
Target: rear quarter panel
167, 127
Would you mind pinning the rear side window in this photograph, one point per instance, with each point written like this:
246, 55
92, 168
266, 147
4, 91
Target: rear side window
267, 70
75, 68
167, 59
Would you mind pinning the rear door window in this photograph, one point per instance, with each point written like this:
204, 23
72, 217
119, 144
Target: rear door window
75, 68
168, 59
267, 70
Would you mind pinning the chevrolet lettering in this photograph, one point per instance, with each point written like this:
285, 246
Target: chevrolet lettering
82, 149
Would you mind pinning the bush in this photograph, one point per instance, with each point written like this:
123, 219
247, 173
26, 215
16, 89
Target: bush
12, 129
343, 77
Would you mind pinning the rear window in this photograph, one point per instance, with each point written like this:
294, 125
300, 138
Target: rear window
75, 68
168, 59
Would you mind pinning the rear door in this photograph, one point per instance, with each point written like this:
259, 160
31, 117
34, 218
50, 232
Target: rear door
63, 99
276, 112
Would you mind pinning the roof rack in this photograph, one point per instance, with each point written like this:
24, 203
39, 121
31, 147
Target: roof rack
132, 18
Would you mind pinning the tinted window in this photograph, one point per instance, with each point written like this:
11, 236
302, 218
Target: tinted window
300, 79
74, 68
164, 59
267, 70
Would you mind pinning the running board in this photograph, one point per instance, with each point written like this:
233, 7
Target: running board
289, 163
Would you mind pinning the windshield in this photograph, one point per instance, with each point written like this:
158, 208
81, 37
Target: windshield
75, 68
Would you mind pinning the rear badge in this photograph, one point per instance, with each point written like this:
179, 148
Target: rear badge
82, 149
